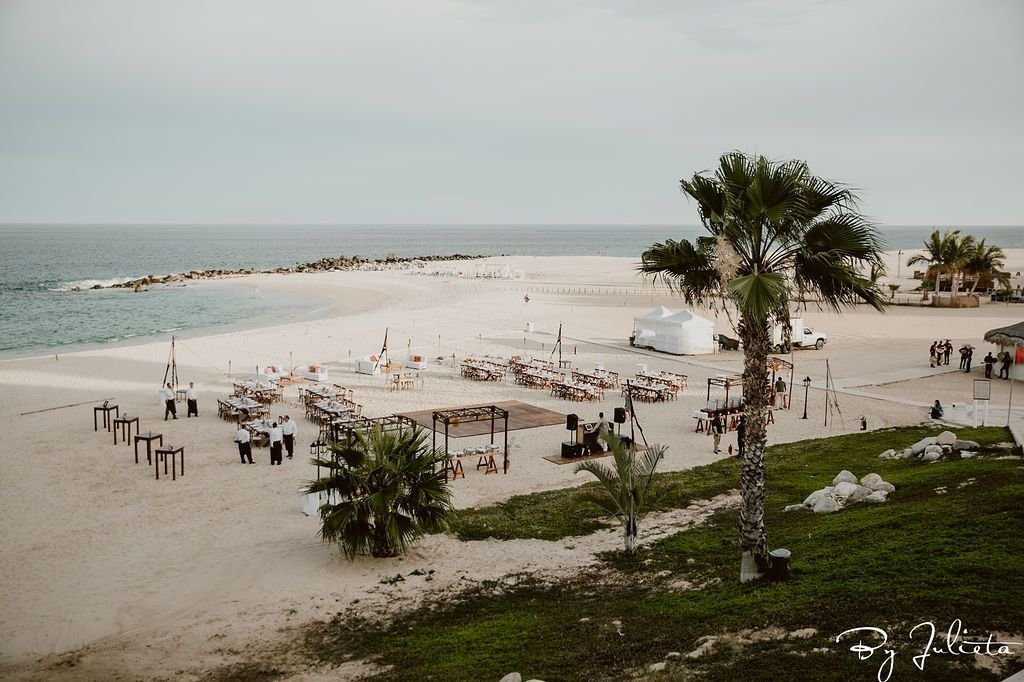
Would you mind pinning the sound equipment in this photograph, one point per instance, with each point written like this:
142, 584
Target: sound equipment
620, 415
572, 421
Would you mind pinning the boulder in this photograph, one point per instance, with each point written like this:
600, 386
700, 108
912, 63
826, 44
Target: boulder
851, 492
844, 475
965, 445
883, 485
512, 677
930, 456
946, 438
907, 454
869, 479
967, 454
793, 507
888, 454
657, 667
813, 498
826, 505
918, 447
937, 449
877, 496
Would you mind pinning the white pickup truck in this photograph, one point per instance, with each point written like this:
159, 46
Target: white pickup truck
803, 337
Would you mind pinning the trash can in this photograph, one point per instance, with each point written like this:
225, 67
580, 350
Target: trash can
779, 569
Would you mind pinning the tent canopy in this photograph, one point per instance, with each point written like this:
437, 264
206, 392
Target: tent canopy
1007, 336
681, 333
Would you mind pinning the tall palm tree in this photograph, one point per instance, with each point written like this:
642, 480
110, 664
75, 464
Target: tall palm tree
626, 486
384, 490
987, 261
945, 253
778, 234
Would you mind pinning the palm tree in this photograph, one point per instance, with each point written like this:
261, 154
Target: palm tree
384, 490
626, 486
777, 234
986, 261
947, 253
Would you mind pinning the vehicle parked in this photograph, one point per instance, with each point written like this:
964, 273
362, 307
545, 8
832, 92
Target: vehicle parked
802, 337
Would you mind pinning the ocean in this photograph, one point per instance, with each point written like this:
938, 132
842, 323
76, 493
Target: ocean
40, 264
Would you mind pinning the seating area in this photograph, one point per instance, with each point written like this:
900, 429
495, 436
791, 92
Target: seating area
579, 392
483, 454
596, 377
234, 408
262, 391
649, 391
675, 382
484, 369
534, 373
405, 381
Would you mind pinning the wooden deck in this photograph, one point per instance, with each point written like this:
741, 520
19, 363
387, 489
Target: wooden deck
520, 416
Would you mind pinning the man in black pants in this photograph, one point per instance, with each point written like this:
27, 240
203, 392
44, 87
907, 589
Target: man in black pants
289, 431
275, 444
169, 408
192, 400
244, 446
970, 356
989, 362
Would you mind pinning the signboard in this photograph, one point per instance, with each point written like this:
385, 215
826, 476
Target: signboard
982, 389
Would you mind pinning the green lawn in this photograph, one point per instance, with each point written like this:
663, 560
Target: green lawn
919, 557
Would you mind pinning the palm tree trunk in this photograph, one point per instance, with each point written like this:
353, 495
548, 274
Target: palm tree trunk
632, 530
753, 541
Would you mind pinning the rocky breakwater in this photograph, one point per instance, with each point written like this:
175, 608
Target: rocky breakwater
390, 262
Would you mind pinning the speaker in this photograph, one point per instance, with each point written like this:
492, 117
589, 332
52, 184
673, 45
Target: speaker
572, 421
620, 415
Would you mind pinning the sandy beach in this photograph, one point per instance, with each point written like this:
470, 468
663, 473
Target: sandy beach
162, 578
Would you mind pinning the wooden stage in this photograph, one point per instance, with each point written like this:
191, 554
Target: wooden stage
520, 416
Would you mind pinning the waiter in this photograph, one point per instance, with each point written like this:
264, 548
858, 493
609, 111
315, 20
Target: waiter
244, 446
167, 394
275, 444
192, 400
289, 430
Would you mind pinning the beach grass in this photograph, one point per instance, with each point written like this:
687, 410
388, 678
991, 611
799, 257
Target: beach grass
922, 556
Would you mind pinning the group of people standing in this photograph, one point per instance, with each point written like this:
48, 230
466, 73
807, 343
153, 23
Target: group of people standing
282, 435
940, 351
1004, 359
717, 427
191, 400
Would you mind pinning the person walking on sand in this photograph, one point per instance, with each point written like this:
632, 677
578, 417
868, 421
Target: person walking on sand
780, 392
947, 351
989, 361
167, 393
970, 356
192, 400
717, 429
741, 431
289, 430
931, 354
275, 444
244, 446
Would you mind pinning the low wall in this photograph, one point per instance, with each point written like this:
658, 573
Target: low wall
960, 301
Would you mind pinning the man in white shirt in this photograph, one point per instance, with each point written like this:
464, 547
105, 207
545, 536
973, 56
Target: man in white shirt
244, 446
192, 400
289, 430
167, 394
275, 444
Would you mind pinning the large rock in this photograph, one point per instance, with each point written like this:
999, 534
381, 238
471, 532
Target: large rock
851, 492
946, 438
931, 456
844, 475
877, 496
907, 454
512, 677
936, 449
965, 445
884, 486
918, 447
813, 498
793, 507
826, 505
888, 454
966, 454
869, 479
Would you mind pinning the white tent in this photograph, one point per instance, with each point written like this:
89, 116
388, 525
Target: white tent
681, 333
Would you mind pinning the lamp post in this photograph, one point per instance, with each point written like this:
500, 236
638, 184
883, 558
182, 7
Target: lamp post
807, 384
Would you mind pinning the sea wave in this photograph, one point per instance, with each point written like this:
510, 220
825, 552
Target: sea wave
90, 283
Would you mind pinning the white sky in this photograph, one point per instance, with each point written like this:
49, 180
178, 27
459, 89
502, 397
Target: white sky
530, 111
